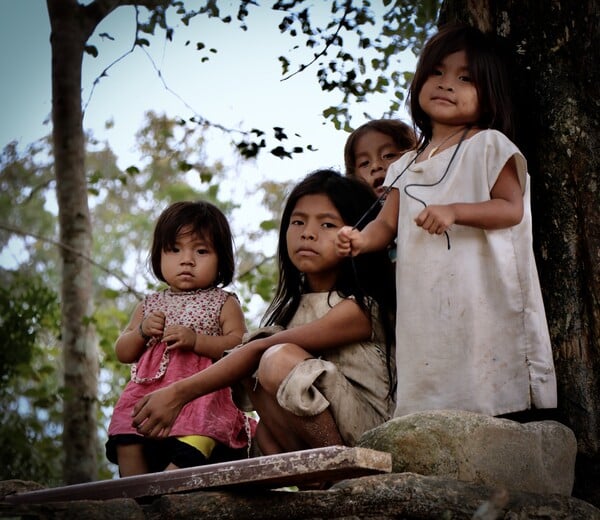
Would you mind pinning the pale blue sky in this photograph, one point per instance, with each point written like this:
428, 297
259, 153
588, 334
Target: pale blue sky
238, 86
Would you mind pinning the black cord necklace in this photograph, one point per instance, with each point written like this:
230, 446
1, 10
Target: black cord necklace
416, 185
418, 154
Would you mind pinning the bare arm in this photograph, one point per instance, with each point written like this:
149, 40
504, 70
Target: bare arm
503, 210
344, 323
233, 327
130, 344
376, 235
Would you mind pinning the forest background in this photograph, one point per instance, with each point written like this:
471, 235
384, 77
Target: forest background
54, 395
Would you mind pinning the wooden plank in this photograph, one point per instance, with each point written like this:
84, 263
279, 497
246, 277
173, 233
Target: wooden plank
286, 469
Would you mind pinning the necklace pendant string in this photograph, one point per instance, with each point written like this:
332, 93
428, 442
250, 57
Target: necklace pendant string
419, 152
386, 191
462, 138
444, 141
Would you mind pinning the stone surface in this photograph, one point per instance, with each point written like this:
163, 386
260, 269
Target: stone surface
380, 497
537, 457
447, 465
286, 469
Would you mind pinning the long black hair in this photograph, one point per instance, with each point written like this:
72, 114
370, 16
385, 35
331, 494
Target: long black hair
368, 277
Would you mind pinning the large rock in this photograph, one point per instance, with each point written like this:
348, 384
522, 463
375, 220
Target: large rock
535, 457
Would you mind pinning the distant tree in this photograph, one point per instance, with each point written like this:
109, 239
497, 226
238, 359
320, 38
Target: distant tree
30, 382
124, 206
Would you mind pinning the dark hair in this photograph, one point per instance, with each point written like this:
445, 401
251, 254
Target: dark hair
368, 277
401, 133
206, 221
488, 68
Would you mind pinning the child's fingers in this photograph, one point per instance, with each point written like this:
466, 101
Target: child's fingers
421, 218
345, 236
343, 242
345, 232
427, 222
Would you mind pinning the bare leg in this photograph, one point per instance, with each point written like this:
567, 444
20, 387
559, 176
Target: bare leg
131, 460
267, 444
281, 429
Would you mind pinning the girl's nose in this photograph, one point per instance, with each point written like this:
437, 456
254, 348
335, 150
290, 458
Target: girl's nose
376, 165
187, 258
445, 86
308, 234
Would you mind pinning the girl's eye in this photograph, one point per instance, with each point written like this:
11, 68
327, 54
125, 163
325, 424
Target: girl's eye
363, 164
296, 222
328, 225
202, 251
466, 79
391, 155
436, 72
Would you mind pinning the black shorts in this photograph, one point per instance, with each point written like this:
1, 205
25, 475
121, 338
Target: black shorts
158, 453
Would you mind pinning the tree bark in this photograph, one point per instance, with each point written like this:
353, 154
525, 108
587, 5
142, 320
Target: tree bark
556, 74
71, 25
68, 36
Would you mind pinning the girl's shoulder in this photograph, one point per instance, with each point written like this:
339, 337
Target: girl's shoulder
499, 142
322, 299
230, 294
401, 163
493, 137
217, 293
315, 305
322, 302
497, 149
155, 296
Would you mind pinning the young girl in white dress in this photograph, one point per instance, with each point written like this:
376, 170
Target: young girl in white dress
471, 331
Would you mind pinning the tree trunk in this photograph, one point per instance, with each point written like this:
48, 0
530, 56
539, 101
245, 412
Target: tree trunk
80, 357
556, 76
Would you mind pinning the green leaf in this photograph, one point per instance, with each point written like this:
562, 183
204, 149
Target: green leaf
184, 166
281, 152
206, 177
269, 225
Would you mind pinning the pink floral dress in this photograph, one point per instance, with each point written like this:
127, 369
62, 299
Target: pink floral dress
213, 415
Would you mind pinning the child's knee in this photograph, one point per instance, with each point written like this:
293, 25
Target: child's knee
276, 363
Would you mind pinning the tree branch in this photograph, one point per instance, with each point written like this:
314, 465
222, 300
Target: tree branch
256, 266
74, 251
329, 43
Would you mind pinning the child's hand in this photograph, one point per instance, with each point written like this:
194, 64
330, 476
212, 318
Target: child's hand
153, 324
154, 414
436, 219
178, 336
348, 241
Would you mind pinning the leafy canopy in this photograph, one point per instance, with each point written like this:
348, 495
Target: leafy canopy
355, 48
